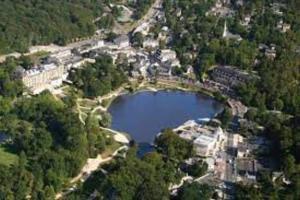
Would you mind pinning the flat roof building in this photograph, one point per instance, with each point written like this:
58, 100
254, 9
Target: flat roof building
207, 140
122, 41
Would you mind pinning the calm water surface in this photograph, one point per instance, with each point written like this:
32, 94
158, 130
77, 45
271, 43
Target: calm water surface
144, 114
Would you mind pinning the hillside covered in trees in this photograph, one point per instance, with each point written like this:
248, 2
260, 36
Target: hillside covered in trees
25, 23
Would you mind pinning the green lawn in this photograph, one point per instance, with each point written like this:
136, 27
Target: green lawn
7, 158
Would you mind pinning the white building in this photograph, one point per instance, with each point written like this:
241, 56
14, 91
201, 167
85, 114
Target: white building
208, 143
150, 43
98, 44
207, 140
122, 41
40, 78
167, 54
228, 35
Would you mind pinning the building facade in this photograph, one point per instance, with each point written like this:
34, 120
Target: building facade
43, 77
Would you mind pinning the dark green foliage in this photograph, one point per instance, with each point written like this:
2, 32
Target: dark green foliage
173, 147
138, 39
96, 139
197, 169
134, 179
31, 22
99, 78
51, 142
195, 191
225, 117
247, 193
9, 87
141, 6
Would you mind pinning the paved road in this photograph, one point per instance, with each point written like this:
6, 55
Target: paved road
152, 12
230, 169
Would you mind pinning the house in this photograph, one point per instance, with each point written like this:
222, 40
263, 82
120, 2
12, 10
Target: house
122, 41
98, 44
246, 20
150, 43
165, 55
283, 27
271, 53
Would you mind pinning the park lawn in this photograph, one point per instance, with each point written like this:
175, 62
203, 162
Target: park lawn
7, 158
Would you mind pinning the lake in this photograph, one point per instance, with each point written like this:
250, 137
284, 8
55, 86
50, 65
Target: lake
3, 137
144, 114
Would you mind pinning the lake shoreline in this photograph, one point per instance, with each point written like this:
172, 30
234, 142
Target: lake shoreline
151, 91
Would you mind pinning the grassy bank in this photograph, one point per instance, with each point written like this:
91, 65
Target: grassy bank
6, 157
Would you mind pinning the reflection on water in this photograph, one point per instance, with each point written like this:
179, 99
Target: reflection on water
145, 114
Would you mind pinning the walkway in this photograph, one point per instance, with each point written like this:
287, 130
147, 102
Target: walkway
92, 165
118, 136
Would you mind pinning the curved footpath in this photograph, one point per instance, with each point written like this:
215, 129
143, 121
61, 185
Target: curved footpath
92, 165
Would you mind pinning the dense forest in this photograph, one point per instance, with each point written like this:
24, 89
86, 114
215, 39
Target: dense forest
41, 22
32, 22
99, 78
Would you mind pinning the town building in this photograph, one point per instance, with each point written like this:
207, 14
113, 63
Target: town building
228, 35
230, 76
283, 27
242, 150
208, 143
43, 77
165, 55
246, 20
207, 140
122, 41
150, 43
269, 51
247, 169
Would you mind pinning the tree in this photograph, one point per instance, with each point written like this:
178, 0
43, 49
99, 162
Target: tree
49, 193
197, 169
289, 166
225, 117
71, 20
138, 39
195, 191
174, 147
98, 78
